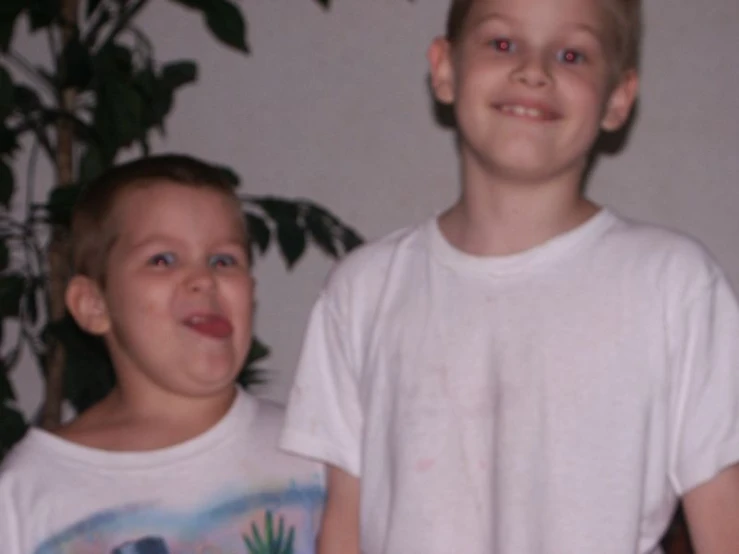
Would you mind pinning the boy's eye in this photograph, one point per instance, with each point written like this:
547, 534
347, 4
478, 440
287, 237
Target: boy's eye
570, 56
223, 260
163, 259
504, 45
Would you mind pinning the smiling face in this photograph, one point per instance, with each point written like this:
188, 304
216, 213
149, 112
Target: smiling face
530, 81
176, 308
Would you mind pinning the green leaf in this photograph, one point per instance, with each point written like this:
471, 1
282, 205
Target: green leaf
4, 257
6, 93
269, 528
290, 542
158, 101
146, 82
31, 302
77, 63
114, 61
91, 7
129, 110
177, 74
257, 537
7, 184
257, 351
61, 202
291, 239
278, 209
158, 90
12, 428
286, 215
226, 22
88, 372
350, 239
9, 12
25, 98
6, 387
42, 13
8, 140
91, 165
12, 287
249, 375
118, 116
320, 227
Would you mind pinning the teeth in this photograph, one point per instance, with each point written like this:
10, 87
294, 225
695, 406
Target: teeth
522, 111
195, 320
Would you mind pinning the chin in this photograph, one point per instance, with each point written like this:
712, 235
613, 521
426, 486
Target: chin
212, 375
207, 389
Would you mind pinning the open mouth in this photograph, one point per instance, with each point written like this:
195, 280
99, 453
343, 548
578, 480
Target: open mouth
527, 112
210, 325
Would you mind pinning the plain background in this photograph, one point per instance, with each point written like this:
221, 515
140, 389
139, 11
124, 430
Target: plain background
334, 107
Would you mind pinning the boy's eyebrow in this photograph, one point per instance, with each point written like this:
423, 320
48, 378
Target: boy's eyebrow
167, 240
594, 33
589, 29
577, 26
151, 240
486, 17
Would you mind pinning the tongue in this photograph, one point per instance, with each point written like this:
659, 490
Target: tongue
216, 327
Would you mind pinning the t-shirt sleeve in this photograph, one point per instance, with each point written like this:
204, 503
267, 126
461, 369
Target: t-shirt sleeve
324, 417
9, 539
705, 402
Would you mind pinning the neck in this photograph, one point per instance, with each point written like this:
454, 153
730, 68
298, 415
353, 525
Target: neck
158, 407
133, 420
498, 216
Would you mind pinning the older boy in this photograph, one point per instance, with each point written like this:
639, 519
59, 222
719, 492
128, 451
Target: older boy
176, 458
529, 372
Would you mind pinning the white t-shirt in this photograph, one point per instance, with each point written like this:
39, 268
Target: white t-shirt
554, 401
227, 490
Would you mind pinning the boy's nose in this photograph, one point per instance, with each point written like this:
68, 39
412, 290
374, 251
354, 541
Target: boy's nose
533, 71
200, 280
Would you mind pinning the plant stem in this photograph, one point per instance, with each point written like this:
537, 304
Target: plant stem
58, 246
124, 17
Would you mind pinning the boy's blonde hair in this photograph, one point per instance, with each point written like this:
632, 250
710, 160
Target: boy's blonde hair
624, 16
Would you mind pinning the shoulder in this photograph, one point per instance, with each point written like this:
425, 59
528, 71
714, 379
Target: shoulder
264, 437
373, 258
365, 270
23, 461
668, 257
269, 414
24, 471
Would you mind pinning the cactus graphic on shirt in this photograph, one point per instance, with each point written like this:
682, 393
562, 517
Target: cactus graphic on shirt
269, 542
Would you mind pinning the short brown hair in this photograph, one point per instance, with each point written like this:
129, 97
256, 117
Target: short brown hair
93, 232
625, 16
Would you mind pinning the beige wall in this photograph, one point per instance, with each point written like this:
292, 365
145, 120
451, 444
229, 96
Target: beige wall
334, 107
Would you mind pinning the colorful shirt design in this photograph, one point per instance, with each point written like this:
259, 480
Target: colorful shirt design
229, 490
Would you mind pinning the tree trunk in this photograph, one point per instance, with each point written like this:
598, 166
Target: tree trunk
58, 252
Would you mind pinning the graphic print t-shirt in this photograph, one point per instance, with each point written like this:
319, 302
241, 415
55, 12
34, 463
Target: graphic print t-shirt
227, 491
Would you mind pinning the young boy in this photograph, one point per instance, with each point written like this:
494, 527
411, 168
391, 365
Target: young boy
527, 373
177, 458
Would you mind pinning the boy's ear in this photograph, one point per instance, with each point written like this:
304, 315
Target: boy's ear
86, 303
439, 56
620, 102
